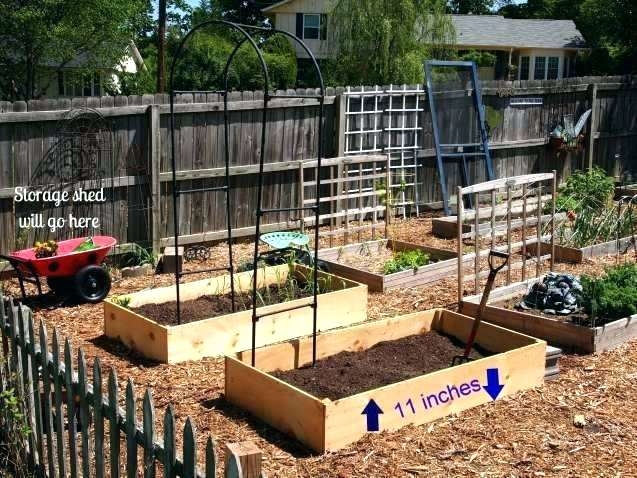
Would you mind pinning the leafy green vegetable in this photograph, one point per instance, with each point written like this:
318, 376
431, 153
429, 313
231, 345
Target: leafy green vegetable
404, 260
585, 190
613, 295
86, 245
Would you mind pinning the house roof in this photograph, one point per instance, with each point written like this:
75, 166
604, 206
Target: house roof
275, 5
495, 31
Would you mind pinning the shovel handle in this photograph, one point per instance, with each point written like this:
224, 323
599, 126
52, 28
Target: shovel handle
493, 271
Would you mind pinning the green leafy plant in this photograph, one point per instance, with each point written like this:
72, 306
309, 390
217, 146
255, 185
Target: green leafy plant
405, 260
591, 189
14, 432
139, 256
613, 295
122, 301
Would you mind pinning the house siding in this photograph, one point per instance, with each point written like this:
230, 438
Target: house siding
284, 18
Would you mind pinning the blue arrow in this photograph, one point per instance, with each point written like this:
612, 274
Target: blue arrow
493, 386
372, 410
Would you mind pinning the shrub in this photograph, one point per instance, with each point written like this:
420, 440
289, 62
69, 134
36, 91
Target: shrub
613, 295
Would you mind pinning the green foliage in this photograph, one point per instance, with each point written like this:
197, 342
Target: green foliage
138, 256
475, 7
613, 295
405, 260
607, 26
14, 430
380, 42
204, 59
480, 58
123, 301
46, 34
589, 190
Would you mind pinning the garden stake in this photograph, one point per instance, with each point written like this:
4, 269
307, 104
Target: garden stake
493, 271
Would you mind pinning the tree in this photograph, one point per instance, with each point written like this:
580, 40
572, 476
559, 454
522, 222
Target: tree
475, 7
609, 25
51, 33
383, 41
204, 59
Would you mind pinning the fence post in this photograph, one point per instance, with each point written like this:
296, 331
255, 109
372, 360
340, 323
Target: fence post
154, 158
593, 127
247, 455
341, 106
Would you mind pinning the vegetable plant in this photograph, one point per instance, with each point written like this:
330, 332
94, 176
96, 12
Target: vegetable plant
613, 295
405, 260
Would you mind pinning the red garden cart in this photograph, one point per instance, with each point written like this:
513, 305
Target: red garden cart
68, 271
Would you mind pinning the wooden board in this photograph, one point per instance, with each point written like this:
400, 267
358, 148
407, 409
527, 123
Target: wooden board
564, 334
336, 424
577, 255
232, 332
445, 266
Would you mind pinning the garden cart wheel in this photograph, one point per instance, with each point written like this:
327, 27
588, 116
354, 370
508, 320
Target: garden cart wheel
92, 284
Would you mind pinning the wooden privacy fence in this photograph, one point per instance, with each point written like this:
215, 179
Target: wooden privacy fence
365, 120
75, 425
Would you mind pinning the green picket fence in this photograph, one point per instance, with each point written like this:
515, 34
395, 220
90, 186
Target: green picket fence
64, 424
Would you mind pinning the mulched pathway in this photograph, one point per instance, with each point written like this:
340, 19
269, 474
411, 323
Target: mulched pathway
530, 434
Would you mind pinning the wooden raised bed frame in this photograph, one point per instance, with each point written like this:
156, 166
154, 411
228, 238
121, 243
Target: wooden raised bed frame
232, 332
566, 334
577, 255
330, 425
380, 282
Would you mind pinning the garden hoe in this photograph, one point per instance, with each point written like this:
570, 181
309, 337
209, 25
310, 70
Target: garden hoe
493, 271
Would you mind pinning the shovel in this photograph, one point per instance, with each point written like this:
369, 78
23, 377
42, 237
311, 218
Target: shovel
494, 268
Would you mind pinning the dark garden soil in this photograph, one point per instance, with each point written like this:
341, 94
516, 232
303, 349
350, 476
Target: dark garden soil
349, 373
209, 306
577, 318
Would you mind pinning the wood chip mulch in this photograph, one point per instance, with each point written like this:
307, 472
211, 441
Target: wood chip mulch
526, 435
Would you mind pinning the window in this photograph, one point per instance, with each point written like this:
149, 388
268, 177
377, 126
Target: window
540, 68
311, 26
524, 68
553, 69
74, 83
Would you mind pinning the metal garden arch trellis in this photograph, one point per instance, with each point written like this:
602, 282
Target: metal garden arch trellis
264, 33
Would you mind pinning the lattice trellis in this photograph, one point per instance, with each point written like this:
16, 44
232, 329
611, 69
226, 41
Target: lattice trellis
388, 120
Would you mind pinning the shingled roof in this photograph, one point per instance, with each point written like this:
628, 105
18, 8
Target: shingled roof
494, 31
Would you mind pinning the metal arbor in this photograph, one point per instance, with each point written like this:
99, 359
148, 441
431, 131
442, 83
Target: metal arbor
458, 120
247, 34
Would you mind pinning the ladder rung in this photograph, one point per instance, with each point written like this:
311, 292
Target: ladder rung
214, 269
459, 155
274, 312
296, 96
200, 190
289, 209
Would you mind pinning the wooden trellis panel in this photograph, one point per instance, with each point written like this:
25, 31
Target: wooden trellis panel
354, 197
488, 226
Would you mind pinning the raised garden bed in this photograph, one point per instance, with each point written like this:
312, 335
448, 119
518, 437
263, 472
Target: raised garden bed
404, 395
577, 255
554, 329
342, 302
365, 262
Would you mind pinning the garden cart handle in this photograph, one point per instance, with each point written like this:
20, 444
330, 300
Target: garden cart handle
494, 268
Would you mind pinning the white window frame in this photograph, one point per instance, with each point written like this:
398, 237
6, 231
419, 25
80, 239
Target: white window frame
74, 83
317, 28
